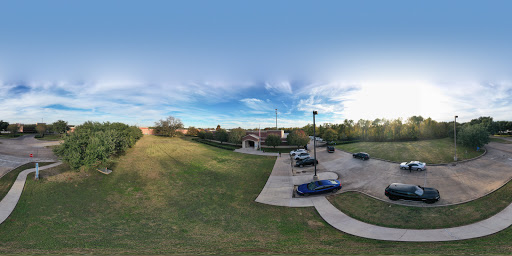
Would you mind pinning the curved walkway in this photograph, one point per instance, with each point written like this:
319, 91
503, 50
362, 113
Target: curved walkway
279, 191
10, 200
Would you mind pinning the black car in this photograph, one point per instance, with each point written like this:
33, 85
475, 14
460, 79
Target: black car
330, 149
397, 191
361, 155
307, 161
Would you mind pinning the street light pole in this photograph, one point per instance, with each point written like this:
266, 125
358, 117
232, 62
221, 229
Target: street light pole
276, 119
314, 143
455, 137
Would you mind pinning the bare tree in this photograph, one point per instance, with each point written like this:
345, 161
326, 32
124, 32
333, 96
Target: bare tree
168, 127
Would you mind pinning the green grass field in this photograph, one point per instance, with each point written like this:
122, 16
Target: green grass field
51, 137
429, 151
370, 210
175, 196
499, 140
8, 179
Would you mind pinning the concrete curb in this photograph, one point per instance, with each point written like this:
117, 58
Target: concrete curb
10, 200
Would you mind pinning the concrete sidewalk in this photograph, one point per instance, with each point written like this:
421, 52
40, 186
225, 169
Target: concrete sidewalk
279, 188
279, 191
9, 202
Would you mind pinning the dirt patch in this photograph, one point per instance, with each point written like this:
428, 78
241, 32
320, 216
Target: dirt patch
315, 224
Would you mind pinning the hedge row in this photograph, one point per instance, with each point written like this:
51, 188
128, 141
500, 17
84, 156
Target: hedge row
228, 147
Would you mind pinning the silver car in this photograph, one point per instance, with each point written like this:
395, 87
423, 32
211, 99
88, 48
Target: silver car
302, 156
298, 151
413, 165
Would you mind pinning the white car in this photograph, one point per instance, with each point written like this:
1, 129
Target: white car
302, 156
298, 151
414, 165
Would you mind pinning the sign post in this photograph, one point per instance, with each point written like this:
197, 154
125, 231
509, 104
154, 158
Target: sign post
37, 168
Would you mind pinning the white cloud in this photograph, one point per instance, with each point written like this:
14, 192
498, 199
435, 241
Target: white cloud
283, 87
258, 106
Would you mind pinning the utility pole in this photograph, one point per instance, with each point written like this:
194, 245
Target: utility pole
276, 119
455, 137
314, 143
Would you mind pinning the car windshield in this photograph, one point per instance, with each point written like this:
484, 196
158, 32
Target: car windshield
419, 191
312, 186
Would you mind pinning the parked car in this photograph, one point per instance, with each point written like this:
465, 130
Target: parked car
307, 161
397, 191
301, 156
415, 165
330, 149
361, 155
318, 187
298, 151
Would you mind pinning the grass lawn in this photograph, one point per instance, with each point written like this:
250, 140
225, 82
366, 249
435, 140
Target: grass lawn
429, 151
7, 135
174, 196
51, 137
8, 179
499, 140
370, 210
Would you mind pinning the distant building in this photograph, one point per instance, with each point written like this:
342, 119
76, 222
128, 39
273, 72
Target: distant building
256, 139
147, 131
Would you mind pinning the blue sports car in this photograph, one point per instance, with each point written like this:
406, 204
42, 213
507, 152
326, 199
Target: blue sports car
318, 187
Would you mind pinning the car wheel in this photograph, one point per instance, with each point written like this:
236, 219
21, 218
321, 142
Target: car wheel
419, 170
301, 165
393, 198
306, 194
335, 190
430, 201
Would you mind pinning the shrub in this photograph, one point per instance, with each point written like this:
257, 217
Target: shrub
93, 143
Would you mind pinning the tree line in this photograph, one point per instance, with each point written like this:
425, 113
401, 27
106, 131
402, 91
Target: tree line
412, 128
59, 127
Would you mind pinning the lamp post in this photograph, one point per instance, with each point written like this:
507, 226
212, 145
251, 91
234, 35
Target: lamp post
276, 119
314, 143
455, 137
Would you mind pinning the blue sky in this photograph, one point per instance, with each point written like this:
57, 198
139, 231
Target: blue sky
233, 62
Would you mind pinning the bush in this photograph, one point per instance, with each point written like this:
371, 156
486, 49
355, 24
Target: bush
93, 143
215, 144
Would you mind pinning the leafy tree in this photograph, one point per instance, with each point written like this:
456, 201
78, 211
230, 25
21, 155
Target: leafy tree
297, 138
235, 136
13, 128
60, 126
201, 134
41, 129
94, 143
473, 136
221, 135
330, 135
273, 140
192, 131
209, 135
487, 122
168, 127
3, 125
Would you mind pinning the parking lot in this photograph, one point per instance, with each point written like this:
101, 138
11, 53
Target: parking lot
457, 184
15, 152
